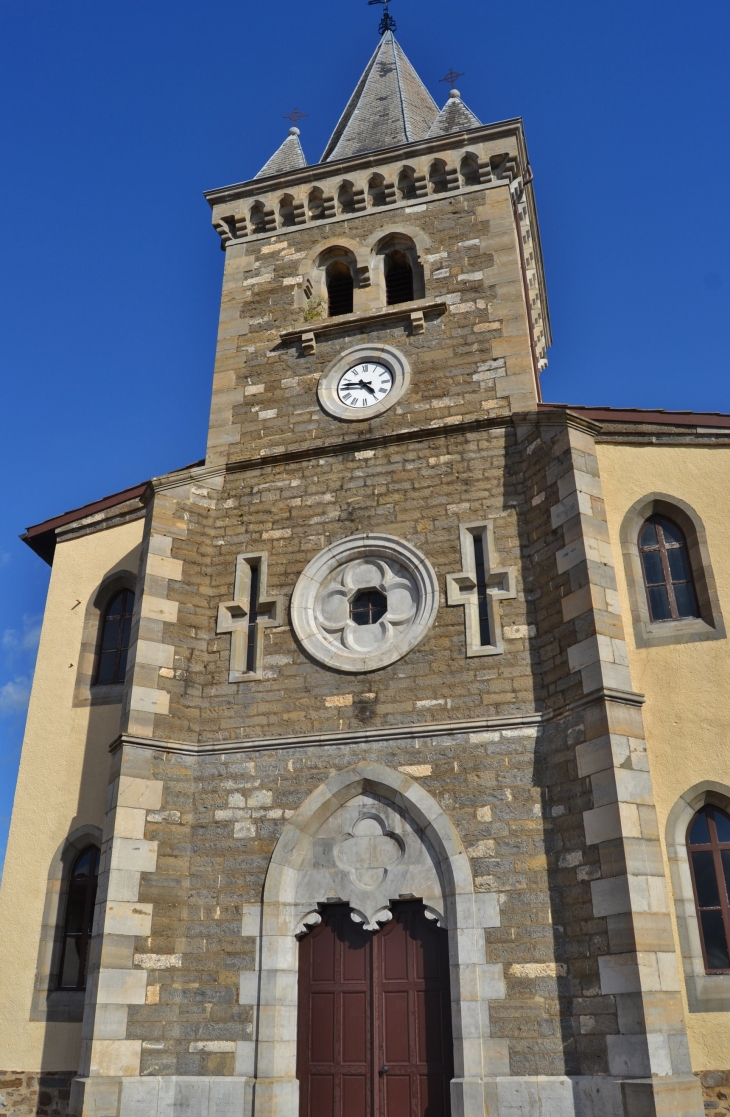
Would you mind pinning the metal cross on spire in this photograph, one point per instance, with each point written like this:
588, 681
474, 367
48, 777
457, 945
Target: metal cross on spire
387, 23
452, 76
295, 116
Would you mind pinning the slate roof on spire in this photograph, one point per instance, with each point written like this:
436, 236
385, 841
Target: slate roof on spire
454, 117
390, 106
289, 157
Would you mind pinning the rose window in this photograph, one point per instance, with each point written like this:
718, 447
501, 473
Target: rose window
364, 602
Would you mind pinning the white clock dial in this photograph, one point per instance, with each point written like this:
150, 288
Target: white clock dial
365, 384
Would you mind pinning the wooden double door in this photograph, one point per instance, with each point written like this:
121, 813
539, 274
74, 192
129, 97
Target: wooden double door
374, 1027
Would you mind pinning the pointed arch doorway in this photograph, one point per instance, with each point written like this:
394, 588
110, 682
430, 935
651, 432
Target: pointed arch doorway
374, 1017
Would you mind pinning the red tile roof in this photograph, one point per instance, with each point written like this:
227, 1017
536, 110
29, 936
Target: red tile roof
644, 415
41, 538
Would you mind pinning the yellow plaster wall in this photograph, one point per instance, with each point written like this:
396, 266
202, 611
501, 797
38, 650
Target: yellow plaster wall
62, 785
687, 686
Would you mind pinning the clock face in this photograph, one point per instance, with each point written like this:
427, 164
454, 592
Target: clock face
365, 384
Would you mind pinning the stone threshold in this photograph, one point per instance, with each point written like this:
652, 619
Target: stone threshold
556, 1095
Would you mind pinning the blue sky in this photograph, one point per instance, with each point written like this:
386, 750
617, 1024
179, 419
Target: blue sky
115, 117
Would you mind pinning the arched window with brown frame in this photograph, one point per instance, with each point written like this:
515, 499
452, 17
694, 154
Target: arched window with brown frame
339, 288
79, 919
708, 846
667, 570
116, 630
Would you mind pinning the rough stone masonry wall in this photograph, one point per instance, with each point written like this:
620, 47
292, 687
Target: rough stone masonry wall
417, 491
214, 843
557, 1014
716, 1092
44, 1094
577, 999
213, 853
583, 1016
522, 812
469, 362
623, 986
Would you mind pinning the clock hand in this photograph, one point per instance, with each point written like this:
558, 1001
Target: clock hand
367, 387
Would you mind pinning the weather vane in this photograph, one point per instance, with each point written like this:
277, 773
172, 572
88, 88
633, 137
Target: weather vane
387, 23
452, 76
295, 116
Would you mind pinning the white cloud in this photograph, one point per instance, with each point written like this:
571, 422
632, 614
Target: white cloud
14, 696
27, 639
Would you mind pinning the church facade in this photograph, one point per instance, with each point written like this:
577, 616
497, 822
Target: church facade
378, 764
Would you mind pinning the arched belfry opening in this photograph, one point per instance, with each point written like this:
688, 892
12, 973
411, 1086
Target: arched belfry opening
340, 288
398, 277
402, 274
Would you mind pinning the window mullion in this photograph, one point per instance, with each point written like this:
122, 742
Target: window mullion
724, 904
698, 909
721, 888
120, 637
667, 572
719, 876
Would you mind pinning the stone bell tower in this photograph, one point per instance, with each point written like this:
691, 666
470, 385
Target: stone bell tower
380, 740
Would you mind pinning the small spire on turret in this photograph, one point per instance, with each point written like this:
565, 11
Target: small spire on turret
290, 156
454, 116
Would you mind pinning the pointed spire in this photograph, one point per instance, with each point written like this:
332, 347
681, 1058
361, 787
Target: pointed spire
289, 157
390, 106
454, 117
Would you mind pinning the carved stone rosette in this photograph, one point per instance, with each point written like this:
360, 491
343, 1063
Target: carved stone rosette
321, 603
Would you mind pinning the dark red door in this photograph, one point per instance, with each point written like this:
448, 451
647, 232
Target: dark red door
412, 1016
335, 1029
374, 1036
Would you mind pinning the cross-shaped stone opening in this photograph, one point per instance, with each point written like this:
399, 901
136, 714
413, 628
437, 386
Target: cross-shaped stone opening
246, 617
479, 586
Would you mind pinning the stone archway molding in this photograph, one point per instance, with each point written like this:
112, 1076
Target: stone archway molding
271, 1056
705, 993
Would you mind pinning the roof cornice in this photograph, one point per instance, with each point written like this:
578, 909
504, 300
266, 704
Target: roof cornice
706, 420
374, 159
